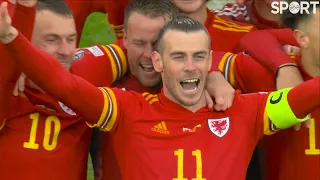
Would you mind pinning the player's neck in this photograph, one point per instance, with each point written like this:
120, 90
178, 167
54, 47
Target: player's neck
264, 10
193, 108
309, 64
201, 15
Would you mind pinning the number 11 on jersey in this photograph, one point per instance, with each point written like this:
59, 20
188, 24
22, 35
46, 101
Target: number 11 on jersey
180, 156
312, 140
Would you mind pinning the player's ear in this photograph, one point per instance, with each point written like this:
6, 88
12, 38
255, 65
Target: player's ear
302, 38
210, 60
157, 61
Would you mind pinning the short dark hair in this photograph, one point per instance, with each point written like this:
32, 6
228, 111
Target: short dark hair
150, 8
56, 6
291, 20
180, 23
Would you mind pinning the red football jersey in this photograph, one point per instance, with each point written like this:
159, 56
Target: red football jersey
111, 170
226, 34
163, 137
136, 117
95, 66
101, 65
297, 155
246, 13
300, 159
274, 39
43, 139
39, 129
20, 15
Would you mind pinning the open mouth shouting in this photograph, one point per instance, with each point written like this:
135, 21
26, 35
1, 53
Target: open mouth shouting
190, 85
147, 68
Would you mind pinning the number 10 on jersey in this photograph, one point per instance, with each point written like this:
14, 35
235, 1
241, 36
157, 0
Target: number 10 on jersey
31, 144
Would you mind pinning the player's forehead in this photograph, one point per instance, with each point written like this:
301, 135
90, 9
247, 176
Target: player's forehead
178, 41
142, 28
145, 23
49, 23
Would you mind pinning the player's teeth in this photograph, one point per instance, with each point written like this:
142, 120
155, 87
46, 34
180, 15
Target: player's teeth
148, 68
190, 81
190, 84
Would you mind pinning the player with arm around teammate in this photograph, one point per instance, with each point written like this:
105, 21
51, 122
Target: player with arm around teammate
156, 126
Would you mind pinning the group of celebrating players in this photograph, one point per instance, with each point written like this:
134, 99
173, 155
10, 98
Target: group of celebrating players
164, 97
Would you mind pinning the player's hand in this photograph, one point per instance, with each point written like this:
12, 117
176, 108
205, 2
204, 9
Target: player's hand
209, 100
5, 20
291, 49
7, 32
19, 85
27, 3
220, 90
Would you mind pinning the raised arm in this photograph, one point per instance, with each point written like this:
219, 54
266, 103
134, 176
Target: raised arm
100, 65
284, 108
273, 57
266, 46
78, 94
8, 70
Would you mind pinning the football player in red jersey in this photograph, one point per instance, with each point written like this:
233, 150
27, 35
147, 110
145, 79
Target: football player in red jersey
93, 62
41, 137
226, 35
155, 127
303, 145
27, 10
256, 12
142, 77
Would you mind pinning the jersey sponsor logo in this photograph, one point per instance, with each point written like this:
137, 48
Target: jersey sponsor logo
160, 128
272, 101
78, 55
191, 130
66, 109
219, 127
96, 51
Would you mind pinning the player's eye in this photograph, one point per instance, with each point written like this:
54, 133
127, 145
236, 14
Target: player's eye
180, 57
71, 40
199, 57
51, 40
139, 43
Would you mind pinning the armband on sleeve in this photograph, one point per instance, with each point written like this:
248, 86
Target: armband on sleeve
279, 110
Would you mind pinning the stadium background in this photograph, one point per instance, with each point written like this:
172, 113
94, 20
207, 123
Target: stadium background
96, 31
